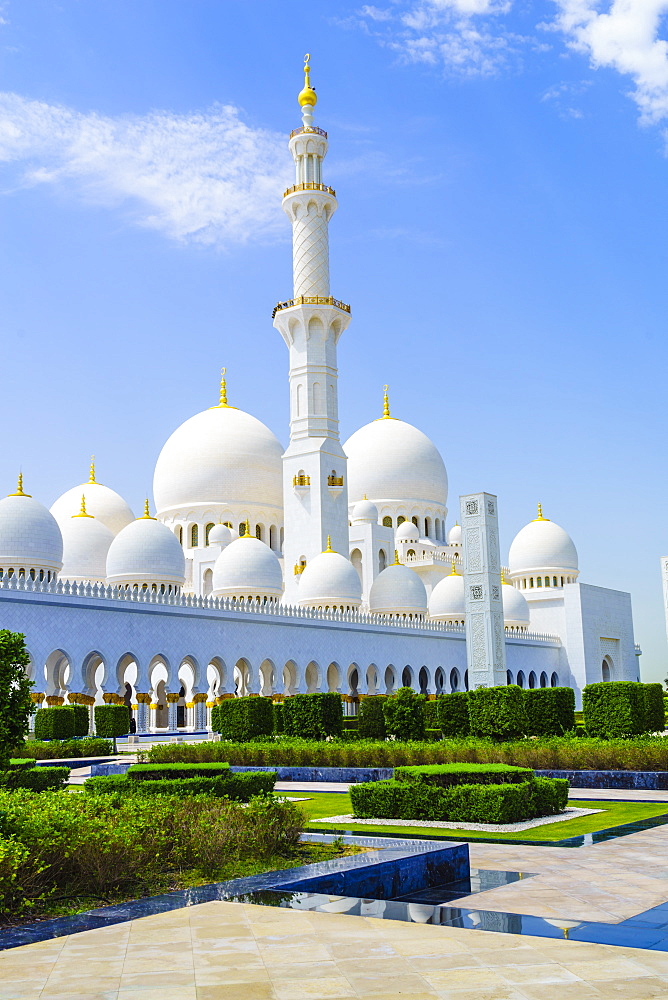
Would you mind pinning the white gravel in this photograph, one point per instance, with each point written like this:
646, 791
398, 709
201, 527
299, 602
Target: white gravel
529, 824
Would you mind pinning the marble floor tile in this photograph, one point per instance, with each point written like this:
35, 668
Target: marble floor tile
313, 989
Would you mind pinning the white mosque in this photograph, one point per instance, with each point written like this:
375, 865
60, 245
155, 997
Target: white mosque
325, 566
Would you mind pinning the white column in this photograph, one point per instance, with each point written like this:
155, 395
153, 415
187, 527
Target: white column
664, 574
485, 638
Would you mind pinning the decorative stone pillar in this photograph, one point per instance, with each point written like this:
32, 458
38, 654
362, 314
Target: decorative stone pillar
172, 702
153, 715
485, 637
142, 711
199, 715
209, 706
54, 699
37, 698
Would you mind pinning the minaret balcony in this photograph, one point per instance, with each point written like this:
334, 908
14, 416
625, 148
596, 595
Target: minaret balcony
310, 300
309, 186
308, 128
301, 482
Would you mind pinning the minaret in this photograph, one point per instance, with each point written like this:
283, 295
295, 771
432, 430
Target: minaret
315, 492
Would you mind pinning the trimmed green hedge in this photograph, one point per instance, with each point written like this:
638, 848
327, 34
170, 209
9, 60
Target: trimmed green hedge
655, 719
242, 719
497, 713
112, 721
507, 803
453, 714
279, 725
21, 763
404, 714
449, 775
35, 779
55, 723
550, 711
313, 716
81, 719
159, 772
88, 746
371, 720
240, 787
614, 708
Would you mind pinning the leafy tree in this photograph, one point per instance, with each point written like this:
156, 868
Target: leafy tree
405, 715
16, 706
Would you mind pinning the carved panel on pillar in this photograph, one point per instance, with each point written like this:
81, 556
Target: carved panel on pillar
485, 638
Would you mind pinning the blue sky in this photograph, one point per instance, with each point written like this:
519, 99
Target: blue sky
501, 236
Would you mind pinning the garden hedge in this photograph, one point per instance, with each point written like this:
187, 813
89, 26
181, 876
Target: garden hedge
655, 718
506, 803
614, 708
159, 772
240, 787
112, 721
550, 711
242, 719
453, 714
370, 718
449, 775
278, 718
55, 723
81, 719
404, 714
88, 746
313, 716
35, 779
497, 713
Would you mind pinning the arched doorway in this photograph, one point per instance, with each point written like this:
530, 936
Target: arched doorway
606, 669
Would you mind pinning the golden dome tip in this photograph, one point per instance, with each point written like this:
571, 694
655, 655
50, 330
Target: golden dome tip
308, 94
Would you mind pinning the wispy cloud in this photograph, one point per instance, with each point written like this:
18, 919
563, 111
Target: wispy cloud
206, 177
565, 97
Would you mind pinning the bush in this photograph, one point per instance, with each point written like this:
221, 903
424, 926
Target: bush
89, 746
313, 716
55, 723
81, 719
453, 714
279, 726
449, 775
112, 721
506, 803
240, 787
614, 708
20, 763
498, 712
36, 779
16, 705
158, 772
405, 715
242, 719
655, 718
550, 711
370, 718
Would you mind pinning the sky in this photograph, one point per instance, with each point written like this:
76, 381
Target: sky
501, 170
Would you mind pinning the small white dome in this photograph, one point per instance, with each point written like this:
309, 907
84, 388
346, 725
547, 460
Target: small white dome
220, 534
407, 532
330, 580
398, 590
446, 602
102, 503
364, 510
86, 543
515, 608
30, 538
542, 546
455, 535
247, 568
146, 552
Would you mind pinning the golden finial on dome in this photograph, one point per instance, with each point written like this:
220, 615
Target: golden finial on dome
329, 544
222, 403
82, 510
540, 514
396, 558
91, 474
386, 401
247, 531
146, 516
308, 94
19, 488
454, 567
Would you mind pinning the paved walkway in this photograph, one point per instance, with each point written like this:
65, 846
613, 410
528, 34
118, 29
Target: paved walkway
232, 951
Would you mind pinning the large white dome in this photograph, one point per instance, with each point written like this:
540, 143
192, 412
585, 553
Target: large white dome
542, 546
247, 568
219, 456
398, 591
393, 461
446, 602
330, 580
101, 503
86, 543
516, 612
146, 552
30, 538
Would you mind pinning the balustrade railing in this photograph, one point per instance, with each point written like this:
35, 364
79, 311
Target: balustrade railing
309, 186
311, 300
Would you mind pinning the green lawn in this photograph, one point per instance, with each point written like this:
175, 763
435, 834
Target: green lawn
614, 814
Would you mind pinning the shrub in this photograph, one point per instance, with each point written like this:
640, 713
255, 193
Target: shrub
81, 719
506, 803
405, 715
20, 763
241, 719
240, 787
36, 779
55, 723
88, 746
279, 726
614, 708
112, 721
550, 711
370, 718
449, 775
655, 718
497, 712
453, 714
158, 772
313, 716
16, 705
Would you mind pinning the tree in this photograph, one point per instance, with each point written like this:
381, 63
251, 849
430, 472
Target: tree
16, 705
112, 721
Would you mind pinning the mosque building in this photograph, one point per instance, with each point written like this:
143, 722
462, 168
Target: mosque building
324, 566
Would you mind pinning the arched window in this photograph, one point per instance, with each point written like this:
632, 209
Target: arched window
382, 560
520, 678
387, 522
547, 581
606, 672
406, 677
178, 531
259, 531
400, 520
207, 532
562, 581
554, 680
454, 679
466, 680
539, 581
194, 536
543, 679
415, 522
411, 552
356, 560
530, 582
427, 527
554, 582
437, 529
242, 529
272, 536
208, 582
532, 680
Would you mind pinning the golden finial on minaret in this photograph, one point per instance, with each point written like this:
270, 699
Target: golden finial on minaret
82, 510
19, 488
386, 402
307, 95
91, 474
